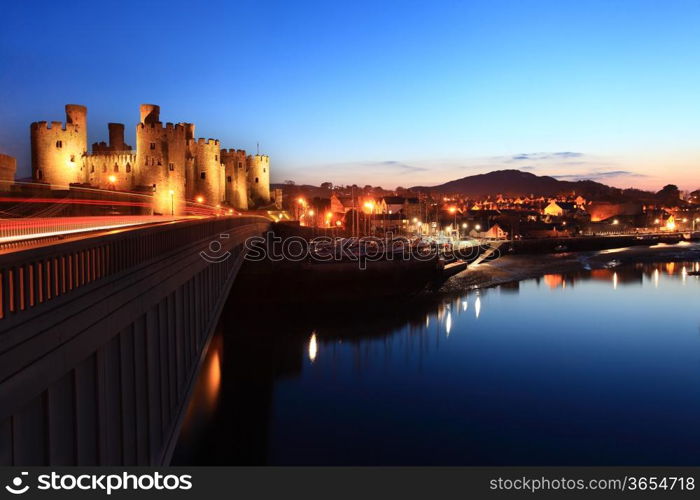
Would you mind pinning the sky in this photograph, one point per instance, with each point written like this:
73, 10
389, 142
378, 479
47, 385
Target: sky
389, 93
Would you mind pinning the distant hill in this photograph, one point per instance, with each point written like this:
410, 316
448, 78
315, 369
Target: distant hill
519, 183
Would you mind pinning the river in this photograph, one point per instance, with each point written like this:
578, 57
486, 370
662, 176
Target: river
598, 367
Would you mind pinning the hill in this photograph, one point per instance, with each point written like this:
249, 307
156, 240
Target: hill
519, 183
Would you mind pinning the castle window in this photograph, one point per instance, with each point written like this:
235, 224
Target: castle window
159, 163
256, 180
203, 175
92, 169
240, 164
171, 167
264, 170
216, 157
228, 179
153, 145
72, 158
128, 167
38, 174
59, 144
116, 167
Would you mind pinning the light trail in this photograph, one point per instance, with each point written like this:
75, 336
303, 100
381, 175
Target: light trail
14, 230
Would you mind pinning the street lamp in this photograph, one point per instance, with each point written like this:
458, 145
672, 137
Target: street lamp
453, 211
301, 203
200, 199
172, 202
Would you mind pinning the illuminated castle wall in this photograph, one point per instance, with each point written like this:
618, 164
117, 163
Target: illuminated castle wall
8, 169
168, 162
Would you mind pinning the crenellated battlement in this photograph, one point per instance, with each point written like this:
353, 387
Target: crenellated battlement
116, 156
54, 126
208, 142
233, 152
176, 128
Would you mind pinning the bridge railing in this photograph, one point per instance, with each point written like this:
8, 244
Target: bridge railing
32, 277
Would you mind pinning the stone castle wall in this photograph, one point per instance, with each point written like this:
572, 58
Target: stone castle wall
8, 169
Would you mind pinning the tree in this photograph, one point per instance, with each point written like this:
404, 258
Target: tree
670, 195
289, 183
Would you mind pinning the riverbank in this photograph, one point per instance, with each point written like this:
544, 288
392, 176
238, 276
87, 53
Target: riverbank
510, 268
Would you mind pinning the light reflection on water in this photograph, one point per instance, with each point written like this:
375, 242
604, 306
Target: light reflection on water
593, 367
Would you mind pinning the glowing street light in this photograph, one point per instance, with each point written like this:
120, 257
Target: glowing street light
199, 199
112, 179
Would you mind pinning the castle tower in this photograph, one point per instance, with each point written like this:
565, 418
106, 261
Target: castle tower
58, 150
258, 167
150, 113
161, 160
116, 137
235, 178
8, 169
208, 170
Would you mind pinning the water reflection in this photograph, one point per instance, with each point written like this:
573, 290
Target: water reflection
589, 369
313, 347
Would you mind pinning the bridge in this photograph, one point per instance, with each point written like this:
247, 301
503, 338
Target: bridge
102, 333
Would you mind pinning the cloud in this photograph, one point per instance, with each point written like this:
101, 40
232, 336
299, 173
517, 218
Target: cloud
598, 175
559, 155
402, 167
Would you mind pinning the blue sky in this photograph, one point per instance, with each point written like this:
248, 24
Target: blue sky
372, 92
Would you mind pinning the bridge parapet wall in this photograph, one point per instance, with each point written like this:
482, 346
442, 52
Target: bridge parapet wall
101, 339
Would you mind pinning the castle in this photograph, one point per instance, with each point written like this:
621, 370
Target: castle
168, 162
